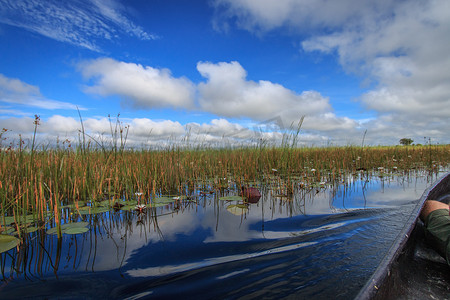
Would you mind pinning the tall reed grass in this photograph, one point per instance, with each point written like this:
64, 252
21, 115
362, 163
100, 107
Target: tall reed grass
38, 182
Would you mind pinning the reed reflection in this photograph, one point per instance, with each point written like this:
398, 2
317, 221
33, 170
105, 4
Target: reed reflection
120, 241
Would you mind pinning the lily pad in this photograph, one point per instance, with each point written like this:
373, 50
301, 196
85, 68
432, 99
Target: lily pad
7, 230
129, 202
7, 242
237, 210
76, 230
231, 198
165, 200
53, 230
21, 219
31, 229
105, 203
70, 228
74, 225
158, 204
128, 207
72, 204
88, 210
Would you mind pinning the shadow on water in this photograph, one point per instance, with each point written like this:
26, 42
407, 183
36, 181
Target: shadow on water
321, 242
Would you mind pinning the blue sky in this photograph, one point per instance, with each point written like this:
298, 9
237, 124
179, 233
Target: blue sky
227, 71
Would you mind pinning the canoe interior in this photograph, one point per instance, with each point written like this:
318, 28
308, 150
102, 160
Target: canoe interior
411, 269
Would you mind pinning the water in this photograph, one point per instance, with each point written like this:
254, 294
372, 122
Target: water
322, 243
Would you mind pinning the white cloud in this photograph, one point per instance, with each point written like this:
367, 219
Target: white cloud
60, 125
329, 122
143, 132
401, 47
225, 93
18, 125
113, 11
305, 15
218, 130
143, 127
16, 87
17, 92
219, 127
138, 86
76, 22
228, 93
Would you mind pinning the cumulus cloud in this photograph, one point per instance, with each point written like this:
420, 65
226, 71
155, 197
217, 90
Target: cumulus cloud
228, 93
75, 22
60, 125
55, 125
218, 130
225, 93
138, 86
146, 133
401, 47
406, 55
16, 92
144, 127
218, 127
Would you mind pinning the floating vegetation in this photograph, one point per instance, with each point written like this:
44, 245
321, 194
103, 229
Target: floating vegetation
237, 209
89, 210
8, 242
71, 228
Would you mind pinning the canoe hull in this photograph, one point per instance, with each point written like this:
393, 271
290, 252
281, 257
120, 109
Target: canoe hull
404, 272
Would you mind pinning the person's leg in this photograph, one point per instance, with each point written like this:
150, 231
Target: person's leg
436, 217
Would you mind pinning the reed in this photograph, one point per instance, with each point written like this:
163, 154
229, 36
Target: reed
40, 182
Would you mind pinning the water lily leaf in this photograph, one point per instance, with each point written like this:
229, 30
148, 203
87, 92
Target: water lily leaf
105, 203
125, 205
80, 204
243, 206
31, 229
237, 210
21, 219
158, 204
76, 230
71, 228
28, 229
7, 242
231, 198
73, 204
7, 220
74, 225
128, 207
88, 210
53, 230
166, 200
7, 230
129, 202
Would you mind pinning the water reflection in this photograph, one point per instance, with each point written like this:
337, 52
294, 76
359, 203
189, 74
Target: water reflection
322, 241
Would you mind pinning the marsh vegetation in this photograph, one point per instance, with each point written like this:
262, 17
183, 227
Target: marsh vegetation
50, 187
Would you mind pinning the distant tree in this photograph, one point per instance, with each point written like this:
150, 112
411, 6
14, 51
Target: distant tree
406, 141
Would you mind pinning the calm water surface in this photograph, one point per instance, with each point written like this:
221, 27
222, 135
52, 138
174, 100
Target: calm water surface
321, 243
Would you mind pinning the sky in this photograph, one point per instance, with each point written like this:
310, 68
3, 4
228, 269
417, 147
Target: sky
225, 72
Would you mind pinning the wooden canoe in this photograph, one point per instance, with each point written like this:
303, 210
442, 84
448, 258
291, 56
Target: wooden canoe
411, 269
